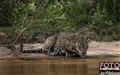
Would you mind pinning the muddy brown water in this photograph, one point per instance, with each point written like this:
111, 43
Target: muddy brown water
60, 66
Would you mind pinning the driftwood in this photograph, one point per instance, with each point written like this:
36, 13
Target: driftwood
11, 46
19, 36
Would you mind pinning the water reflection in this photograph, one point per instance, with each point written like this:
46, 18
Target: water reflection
52, 67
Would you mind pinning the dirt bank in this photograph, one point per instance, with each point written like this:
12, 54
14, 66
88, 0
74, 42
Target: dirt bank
104, 49
95, 49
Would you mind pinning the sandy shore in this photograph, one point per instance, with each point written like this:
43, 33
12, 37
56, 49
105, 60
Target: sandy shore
95, 49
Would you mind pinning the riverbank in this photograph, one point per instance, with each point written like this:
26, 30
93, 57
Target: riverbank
96, 49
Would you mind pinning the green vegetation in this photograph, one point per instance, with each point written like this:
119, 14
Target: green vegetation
101, 17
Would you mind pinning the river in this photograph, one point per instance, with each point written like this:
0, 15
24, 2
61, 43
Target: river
60, 66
